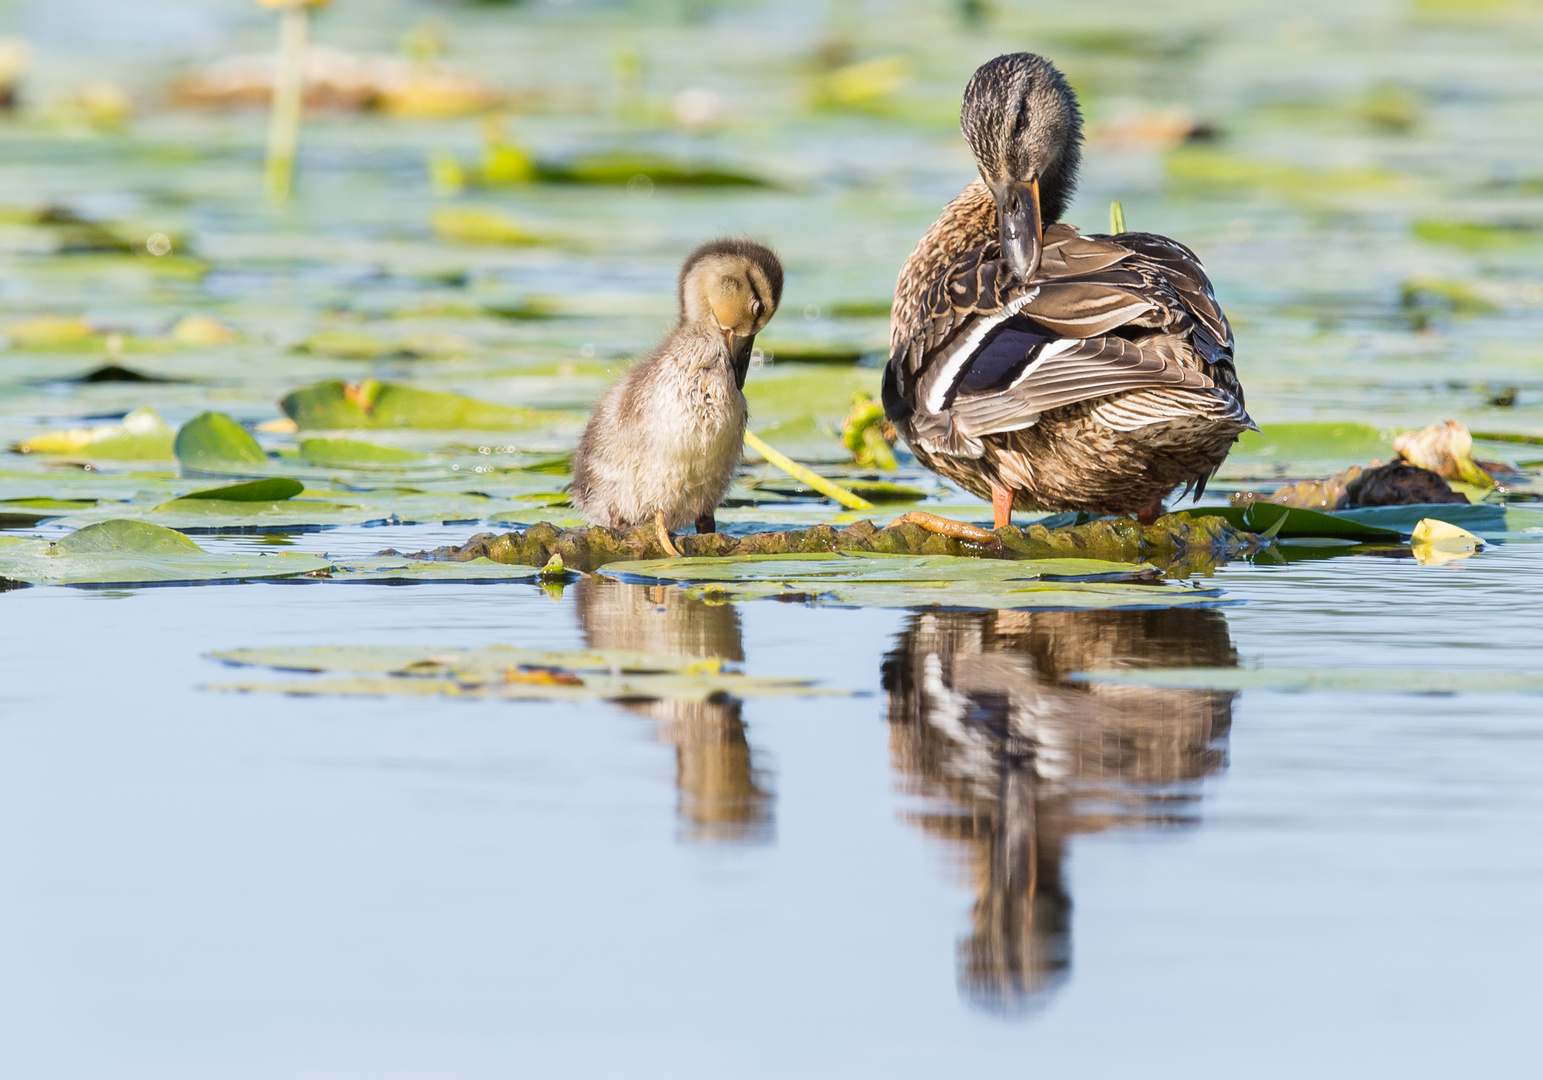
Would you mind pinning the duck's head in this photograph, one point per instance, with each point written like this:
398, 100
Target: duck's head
734, 285
1021, 119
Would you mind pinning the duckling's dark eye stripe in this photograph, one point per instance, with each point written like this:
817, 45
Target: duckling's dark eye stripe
755, 291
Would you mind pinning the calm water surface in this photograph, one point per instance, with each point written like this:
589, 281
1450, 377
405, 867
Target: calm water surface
972, 863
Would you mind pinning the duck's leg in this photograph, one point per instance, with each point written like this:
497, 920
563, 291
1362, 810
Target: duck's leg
664, 535
706, 524
1002, 499
945, 527
1148, 515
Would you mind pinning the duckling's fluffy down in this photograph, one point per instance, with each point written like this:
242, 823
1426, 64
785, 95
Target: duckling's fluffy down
667, 437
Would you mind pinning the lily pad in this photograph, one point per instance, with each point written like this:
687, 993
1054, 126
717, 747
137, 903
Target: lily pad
1282, 521
213, 442
372, 404
508, 673
851, 579
624, 168
1307, 449
394, 570
273, 489
354, 454
137, 553
142, 436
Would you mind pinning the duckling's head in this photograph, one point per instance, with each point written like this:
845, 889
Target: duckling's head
1021, 119
734, 285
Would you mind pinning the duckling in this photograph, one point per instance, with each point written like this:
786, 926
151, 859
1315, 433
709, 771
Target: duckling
664, 442
1042, 369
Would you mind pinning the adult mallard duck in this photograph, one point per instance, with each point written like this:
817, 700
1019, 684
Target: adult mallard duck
1042, 369
663, 444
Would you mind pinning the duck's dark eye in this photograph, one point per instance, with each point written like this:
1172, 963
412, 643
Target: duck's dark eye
755, 309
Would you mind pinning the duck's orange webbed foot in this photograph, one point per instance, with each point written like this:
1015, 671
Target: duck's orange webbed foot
1148, 515
946, 527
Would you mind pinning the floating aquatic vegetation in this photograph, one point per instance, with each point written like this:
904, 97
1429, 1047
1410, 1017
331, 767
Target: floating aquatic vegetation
354, 454
375, 404
867, 580
142, 436
215, 443
1174, 539
202, 331
1395, 484
1445, 449
273, 489
867, 85
1479, 235
479, 225
1203, 168
137, 553
507, 673
1289, 522
335, 79
1306, 449
867, 434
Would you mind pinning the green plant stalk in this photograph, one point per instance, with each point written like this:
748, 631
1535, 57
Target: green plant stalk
1116, 218
778, 459
1508, 437
288, 98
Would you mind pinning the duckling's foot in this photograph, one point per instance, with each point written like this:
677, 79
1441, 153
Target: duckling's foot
1148, 515
1002, 504
706, 524
664, 535
946, 527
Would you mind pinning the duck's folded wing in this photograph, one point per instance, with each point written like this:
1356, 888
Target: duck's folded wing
994, 395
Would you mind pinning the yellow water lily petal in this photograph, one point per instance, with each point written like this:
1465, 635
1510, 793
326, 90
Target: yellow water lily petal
1436, 542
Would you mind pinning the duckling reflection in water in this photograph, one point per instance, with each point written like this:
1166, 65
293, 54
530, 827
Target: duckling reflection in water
723, 796
1016, 759
663, 443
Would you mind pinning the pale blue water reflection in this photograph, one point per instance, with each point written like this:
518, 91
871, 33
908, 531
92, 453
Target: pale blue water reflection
975, 864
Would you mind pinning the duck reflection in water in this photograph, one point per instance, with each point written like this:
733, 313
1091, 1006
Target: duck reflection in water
1011, 759
723, 797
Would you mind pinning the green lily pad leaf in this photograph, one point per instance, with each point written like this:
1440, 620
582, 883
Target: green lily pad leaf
854, 579
137, 553
25, 513
1307, 449
430, 660
314, 510
274, 489
213, 442
351, 345
392, 570
354, 454
623, 168
1477, 235
508, 673
883, 491
1285, 522
142, 436
1304, 680
372, 404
